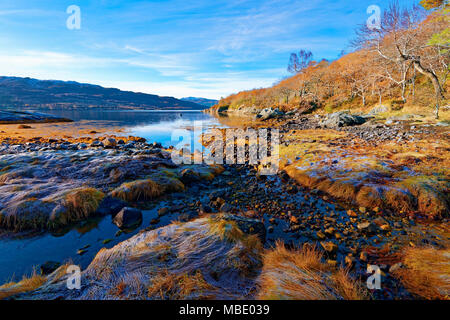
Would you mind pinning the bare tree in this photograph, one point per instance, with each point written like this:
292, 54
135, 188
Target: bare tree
299, 62
402, 41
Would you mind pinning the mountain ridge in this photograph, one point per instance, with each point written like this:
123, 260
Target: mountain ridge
28, 92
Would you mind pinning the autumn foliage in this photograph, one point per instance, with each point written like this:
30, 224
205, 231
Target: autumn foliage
397, 65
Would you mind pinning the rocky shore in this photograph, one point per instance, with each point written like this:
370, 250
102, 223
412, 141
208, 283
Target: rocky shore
19, 117
346, 197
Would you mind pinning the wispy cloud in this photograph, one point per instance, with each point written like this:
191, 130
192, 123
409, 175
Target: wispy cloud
173, 47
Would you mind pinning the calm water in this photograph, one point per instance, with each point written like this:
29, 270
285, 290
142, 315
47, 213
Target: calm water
19, 256
152, 125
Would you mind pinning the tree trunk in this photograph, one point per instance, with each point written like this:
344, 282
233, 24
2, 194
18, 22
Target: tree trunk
434, 79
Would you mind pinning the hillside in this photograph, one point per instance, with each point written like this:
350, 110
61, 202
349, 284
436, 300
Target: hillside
403, 67
201, 101
26, 92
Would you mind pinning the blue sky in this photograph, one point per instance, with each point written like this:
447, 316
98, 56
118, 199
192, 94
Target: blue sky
205, 48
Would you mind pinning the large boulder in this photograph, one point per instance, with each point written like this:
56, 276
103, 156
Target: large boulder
128, 218
109, 142
269, 113
342, 119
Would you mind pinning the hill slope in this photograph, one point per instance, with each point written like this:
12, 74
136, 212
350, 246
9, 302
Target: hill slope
201, 101
27, 92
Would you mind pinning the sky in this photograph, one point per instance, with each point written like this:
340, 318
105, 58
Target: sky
180, 48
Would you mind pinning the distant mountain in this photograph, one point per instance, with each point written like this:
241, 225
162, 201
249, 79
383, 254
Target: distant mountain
201, 101
53, 94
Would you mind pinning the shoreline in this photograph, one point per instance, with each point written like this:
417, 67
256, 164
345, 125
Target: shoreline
348, 235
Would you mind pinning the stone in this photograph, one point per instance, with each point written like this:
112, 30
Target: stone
367, 227
379, 109
329, 247
247, 225
349, 260
320, 235
342, 119
163, 211
269, 113
128, 218
395, 267
110, 205
109, 142
48, 267
188, 176
363, 256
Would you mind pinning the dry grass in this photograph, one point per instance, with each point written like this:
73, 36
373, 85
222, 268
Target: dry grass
301, 275
426, 272
82, 203
25, 285
138, 190
172, 286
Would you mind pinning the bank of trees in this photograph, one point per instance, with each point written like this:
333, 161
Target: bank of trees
407, 55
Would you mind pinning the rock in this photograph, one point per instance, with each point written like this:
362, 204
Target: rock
363, 256
109, 142
269, 113
351, 213
163, 211
379, 109
128, 218
349, 260
395, 267
48, 267
110, 205
247, 225
329, 247
367, 227
188, 176
320, 235
332, 263
330, 231
342, 119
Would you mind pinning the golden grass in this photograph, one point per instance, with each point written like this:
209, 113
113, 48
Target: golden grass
301, 275
25, 285
138, 190
426, 272
166, 285
83, 202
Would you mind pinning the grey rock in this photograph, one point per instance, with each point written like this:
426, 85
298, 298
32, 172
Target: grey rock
342, 119
128, 218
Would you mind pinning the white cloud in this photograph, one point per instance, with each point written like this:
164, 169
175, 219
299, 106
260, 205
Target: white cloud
63, 66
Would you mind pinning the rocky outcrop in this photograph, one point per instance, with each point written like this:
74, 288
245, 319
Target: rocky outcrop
269, 113
341, 119
47, 186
